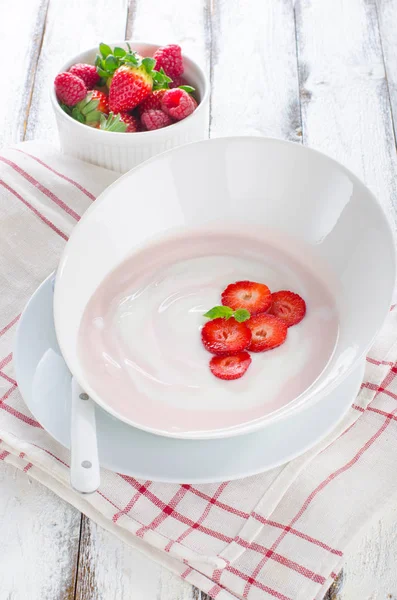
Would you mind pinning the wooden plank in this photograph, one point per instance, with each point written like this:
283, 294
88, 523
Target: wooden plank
344, 93
173, 21
254, 70
346, 113
71, 27
39, 537
387, 18
21, 33
109, 568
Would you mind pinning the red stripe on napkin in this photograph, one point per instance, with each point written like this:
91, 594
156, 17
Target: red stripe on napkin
34, 210
318, 489
3, 331
42, 188
299, 534
75, 183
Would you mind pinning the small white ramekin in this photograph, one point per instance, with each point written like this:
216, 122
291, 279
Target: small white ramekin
123, 151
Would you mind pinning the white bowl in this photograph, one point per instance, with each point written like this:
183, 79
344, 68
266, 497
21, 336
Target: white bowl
291, 190
119, 151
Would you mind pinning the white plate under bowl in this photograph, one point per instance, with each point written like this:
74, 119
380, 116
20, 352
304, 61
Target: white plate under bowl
310, 208
125, 449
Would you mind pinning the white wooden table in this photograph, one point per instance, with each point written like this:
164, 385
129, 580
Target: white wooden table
322, 73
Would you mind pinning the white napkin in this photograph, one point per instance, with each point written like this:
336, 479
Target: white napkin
277, 535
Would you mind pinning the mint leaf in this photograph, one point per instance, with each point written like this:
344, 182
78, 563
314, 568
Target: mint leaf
241, 315
188, 88
219, 312
105, 50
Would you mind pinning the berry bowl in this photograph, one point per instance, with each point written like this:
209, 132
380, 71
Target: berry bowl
120, 152
152, 295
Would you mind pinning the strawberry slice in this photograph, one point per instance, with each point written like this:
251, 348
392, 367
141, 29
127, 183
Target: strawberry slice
288, 306
230, 367
267, 331
225, 336
255, 297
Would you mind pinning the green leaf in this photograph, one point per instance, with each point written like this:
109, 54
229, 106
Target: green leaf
241, 315
130, 59
113, 123
148, 63
160, 80
119, 52
188, 88
102, 73
105, 50
219, 312
76, 114
111, 63
67, 109
93, 117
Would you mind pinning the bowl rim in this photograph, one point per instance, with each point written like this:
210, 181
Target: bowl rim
67, 64
307, 395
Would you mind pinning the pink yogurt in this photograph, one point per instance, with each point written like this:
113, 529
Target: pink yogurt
140, 345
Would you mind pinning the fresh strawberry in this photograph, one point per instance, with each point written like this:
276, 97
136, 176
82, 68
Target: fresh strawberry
254, 297
108, 60
87, 73
69, 88
103, 101
288, 306
177, 103
267, 332
90, 110
155, 119
225, 336
169, 58
130, 86
132, 122
230, 367
152, 102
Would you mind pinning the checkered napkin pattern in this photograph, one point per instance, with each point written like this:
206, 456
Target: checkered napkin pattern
280, 534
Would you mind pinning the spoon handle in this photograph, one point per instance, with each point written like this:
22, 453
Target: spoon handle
84, 468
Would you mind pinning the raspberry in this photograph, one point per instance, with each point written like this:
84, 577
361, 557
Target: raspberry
87, 73
69, 88
177, 81
177, 104
155, 119
169, 58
